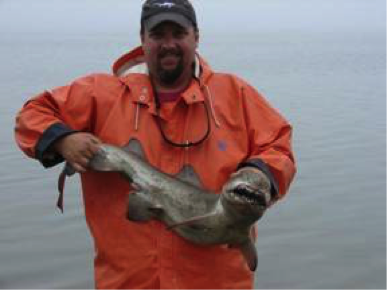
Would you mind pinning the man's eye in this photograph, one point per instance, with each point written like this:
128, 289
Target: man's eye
180, 34
156, 35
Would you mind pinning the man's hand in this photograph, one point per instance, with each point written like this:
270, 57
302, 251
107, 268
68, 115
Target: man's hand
77, 149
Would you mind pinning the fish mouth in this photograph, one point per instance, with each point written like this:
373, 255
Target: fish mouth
247, 194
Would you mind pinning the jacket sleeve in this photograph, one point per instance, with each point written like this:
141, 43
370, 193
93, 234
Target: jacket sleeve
270, 148
53, 115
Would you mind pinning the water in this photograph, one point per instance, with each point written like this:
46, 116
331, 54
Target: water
327, 78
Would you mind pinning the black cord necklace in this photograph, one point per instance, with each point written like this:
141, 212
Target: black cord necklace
187, 144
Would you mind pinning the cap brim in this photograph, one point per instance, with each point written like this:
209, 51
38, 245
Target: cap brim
155, 20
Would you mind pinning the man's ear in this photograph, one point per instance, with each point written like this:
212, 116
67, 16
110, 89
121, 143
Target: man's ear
142, 36
197, 38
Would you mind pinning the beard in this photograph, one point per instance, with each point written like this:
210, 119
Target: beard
170, 76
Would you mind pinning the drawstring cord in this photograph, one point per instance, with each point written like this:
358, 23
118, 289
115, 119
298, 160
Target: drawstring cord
137, 117
212, 106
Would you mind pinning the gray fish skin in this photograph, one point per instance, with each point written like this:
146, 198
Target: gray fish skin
200, 216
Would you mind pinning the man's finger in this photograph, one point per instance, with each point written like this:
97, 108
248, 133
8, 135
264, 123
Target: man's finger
78, 167
84, 161
90, 151
95, 140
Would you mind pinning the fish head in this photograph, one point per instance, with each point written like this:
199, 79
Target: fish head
246, 193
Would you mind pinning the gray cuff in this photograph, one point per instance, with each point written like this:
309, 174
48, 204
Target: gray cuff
259, 164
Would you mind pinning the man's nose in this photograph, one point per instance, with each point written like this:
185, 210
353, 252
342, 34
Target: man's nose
169, 42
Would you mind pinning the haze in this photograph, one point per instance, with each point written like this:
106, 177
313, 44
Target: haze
96, 16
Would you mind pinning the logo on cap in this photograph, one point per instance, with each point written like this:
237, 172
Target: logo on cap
165, 5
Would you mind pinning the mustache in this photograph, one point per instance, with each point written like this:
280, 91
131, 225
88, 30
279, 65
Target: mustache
170, 51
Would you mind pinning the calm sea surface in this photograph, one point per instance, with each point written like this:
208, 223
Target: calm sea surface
330, 231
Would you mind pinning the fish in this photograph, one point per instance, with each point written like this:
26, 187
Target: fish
200, 216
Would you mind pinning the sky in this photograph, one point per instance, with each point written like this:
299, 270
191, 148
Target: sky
94, 16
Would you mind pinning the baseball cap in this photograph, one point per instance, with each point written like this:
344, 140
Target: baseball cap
155, 12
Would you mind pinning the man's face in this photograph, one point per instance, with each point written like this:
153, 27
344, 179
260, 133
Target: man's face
169, 52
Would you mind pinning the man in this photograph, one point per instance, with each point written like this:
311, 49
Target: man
164, 101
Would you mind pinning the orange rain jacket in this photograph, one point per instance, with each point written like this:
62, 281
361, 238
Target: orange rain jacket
245, 131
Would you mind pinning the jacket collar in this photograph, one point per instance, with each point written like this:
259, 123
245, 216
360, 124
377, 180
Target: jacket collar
133, 71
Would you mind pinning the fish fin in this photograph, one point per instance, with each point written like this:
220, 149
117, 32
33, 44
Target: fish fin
249, 253
67, 170
188, 175
134, 146
61, 184
190, 221
141, 210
